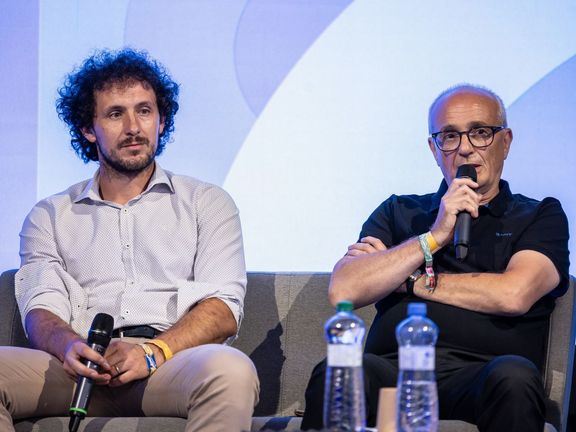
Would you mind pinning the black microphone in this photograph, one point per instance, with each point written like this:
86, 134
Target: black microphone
98, 339
463, 220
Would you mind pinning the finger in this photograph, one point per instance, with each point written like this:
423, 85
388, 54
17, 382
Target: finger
114, 359
355, 253
365, 247
459, 181
102, 379
375, 242
88, 353
126, 377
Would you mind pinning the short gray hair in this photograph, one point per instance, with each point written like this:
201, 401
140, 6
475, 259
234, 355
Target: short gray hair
473, 88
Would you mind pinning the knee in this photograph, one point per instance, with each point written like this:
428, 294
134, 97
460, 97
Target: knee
514, 375
230, 366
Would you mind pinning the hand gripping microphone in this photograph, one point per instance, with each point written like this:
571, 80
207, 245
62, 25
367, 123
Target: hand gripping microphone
463, 220
98, 339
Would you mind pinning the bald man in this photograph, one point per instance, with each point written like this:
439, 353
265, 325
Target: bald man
492, 308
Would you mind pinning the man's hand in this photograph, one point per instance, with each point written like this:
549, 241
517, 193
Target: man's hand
128, 362
76, 351
459, 197
366, 245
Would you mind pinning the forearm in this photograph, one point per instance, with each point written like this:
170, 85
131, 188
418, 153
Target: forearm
48, 332
528, 277
210, 321
480, 292
367, 278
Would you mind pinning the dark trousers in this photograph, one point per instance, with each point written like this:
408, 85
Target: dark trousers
504, 394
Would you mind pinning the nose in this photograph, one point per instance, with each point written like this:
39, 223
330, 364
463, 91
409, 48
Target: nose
132, 125
466, 147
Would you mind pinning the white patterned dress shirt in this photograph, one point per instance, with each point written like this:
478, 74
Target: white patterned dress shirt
145, 263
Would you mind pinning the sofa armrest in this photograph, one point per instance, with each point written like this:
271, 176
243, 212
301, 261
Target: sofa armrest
11, 331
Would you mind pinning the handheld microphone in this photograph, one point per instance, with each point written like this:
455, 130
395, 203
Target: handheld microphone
463, 220
98, 339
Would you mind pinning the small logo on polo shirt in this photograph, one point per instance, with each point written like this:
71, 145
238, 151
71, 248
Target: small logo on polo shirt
503, 234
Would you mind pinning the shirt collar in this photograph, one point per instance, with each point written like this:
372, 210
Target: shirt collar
497, 206
92, 191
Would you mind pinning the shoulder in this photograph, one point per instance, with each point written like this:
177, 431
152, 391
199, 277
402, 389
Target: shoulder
62, 200
526, 206
199, 192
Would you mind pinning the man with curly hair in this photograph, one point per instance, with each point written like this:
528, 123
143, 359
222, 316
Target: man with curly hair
159, 252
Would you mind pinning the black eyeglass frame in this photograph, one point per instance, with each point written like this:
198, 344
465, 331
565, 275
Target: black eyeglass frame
494, 129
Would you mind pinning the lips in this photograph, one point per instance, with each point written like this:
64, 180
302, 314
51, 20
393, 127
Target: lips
133, 143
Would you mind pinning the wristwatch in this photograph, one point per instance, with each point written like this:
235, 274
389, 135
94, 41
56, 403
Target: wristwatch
410, 281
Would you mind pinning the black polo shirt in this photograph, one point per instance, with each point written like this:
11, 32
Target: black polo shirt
508, 224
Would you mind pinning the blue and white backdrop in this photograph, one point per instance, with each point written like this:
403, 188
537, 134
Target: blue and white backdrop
309, 113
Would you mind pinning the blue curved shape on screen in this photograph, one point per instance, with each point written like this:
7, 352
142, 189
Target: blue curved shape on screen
542, 159
230, 58
290, 28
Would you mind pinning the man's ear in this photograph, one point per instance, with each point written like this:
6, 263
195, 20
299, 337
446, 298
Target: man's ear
89, 134
432, 147
161, 128
508, 142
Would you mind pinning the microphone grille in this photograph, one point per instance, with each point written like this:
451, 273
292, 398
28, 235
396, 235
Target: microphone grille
466, 171
102, 323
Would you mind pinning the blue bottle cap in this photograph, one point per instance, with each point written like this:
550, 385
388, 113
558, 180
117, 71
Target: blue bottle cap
417, 309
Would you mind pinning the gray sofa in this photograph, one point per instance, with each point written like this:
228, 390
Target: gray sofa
282, 332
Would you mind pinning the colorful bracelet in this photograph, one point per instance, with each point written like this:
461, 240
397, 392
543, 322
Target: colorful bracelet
150, 360
430, 276
163, 347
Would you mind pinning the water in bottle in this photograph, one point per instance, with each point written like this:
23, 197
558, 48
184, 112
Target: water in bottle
417, 396
344, 387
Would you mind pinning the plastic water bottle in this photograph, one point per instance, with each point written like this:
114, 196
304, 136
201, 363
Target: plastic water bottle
344, 387
417, 396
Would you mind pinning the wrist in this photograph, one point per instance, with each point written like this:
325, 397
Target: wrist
438, 238
158, 354
162, 346
423, 291
411, 281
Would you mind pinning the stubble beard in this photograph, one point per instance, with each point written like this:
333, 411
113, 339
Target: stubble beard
128, 166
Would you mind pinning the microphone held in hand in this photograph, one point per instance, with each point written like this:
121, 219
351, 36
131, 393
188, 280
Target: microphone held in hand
463, 220
98, 339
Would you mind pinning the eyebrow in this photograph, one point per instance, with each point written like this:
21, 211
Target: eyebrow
471, 125
123, 108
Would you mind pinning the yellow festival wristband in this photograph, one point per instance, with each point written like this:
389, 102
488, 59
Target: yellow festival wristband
432, 242
163, 347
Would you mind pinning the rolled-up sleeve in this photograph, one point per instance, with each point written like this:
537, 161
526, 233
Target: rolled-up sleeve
219, 266
41, 281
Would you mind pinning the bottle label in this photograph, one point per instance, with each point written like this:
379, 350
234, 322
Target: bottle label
344, 355
416, 358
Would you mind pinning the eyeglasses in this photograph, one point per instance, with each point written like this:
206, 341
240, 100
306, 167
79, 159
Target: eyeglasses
479, 137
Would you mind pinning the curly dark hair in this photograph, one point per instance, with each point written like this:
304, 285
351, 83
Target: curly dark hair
76, 103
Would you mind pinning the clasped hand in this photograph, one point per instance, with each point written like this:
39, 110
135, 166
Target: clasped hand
123, 362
